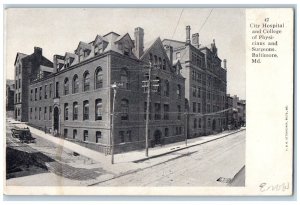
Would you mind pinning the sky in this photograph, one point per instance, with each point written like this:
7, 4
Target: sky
59, 30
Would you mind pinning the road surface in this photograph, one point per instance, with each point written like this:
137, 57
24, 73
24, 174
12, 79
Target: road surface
197, 166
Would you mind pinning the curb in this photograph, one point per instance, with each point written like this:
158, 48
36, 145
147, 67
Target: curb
175, 150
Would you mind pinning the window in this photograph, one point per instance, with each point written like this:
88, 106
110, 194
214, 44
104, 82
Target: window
35, 94
31, 113
19, 97
16, 84
74, 134
45, 92
66, 86
66, 108
40, 110
166, 132
35, 113
166, 111
31, 94
178, 112
164, 64
50, 90
65, 133
85, 135
50, 112
75, 84
98, 109
75, 111
157, 115
155, 60
122, 137
57, 90
19, 83
45, 112
151, 57
195, 123
99, 78
124, 109
158, 85
199, 92
86, 81
194, 107
40, 94
129, 135
86, 110
194, 91
199, 123
98, 136
166, 88
209, 123
178, 91
160, 62
199, 108
124, 78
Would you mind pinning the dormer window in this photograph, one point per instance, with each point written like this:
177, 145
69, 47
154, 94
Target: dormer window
67, 63
98, 49
126, 50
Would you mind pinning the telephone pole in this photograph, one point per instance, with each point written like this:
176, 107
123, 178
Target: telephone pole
148, 84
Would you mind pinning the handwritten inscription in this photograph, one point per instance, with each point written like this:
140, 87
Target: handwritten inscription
274, 187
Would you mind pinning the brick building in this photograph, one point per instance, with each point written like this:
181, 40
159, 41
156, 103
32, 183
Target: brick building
28, 67
75, 99
10, 93
236, 114
205, 84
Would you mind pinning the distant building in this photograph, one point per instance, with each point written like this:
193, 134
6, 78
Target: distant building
75, 100
10, 92
236, 114
205, 85
27, 68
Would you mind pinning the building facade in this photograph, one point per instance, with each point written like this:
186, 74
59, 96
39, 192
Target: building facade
10, 93
205, 85
236, 112
76, 100
27, 67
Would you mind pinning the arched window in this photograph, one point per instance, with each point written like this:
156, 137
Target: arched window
86, 110
166, 88
75, 111
124, 109
75, 84
98, 109
66, 86
99, 78
124, 78
86, 81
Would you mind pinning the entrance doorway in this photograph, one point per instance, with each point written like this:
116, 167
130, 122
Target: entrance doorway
214, 125
56, 120
157, 137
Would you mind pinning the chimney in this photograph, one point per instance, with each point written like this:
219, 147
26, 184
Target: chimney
38, 50
55, 63
195, 40
225, 63
169, 51
188, 34
139, 41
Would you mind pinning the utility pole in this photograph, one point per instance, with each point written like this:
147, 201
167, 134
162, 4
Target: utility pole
186, 128
114, 87
148, 84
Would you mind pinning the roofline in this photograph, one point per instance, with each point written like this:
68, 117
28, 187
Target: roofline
110, 33
173, 40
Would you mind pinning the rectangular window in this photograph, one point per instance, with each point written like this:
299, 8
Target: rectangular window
66, 111
122, 137
57, 90
35, 113
75, 111
74, 134
166, 132
199, 123
50, 112
157, 115
179, 112
19, 83
31, 95
35, 94
45, 92
85, 135
194, 91
98, 109
40, 93
129, 136
50, 90
199, 108
45, 112
31, 113
194, 107
166, 111
40, 110
86, 110
98, 136
199, 92
195, 123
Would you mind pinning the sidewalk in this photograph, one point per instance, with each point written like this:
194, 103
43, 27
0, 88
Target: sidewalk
133, 156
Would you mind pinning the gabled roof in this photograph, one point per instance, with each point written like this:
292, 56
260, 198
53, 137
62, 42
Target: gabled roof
70, 55
20, 55
111, 33
121, 37
148, 46
83, 45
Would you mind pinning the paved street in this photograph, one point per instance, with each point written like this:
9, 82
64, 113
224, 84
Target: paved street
199, 166
50, 161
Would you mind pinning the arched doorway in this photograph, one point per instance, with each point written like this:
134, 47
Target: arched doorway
56, 120
157, 137
214, 125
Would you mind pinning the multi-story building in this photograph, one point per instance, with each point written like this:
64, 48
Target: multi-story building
76, 100
26, 68
236, 112
10, 93
205, 85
